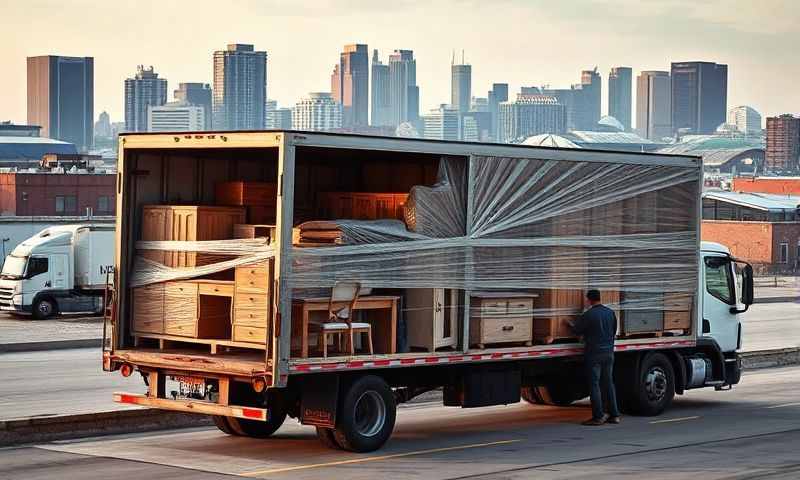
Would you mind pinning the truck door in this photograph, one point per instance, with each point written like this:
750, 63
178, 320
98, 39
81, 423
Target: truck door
719, 297
37, 277
59, 271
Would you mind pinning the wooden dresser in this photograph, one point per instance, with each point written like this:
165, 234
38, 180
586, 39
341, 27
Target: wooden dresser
252, 302
501, 318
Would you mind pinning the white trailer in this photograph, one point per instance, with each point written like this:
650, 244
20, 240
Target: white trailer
62, 269
525, 220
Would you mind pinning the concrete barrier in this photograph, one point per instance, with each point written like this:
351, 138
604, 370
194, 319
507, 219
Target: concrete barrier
61, 427
778, 357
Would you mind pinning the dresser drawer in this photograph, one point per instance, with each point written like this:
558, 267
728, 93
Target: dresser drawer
252, 278
143, 324
256, 317
521, 307
215, 289
493, 307
508, 329
183, 327
244, 333
180, 301
677, 320
245, 299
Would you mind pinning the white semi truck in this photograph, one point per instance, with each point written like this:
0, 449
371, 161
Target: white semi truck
62, 269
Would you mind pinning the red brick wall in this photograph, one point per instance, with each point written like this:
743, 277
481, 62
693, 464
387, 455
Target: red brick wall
786, 233
750, 241
785, 186
8, 194
41, 190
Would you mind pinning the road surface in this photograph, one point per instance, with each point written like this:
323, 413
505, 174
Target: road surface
751, 431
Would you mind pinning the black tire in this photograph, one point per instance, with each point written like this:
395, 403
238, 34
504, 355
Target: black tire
256, 428
556, 394
654, 386
222, 423
44, 308
366, 416
327, 437
531, 395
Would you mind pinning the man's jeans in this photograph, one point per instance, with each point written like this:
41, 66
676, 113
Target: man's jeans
599, 371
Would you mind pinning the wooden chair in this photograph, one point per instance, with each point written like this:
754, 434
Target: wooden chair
341, 306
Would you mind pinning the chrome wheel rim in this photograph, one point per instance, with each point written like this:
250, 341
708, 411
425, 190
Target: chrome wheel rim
44, 308
370, 414
656, 384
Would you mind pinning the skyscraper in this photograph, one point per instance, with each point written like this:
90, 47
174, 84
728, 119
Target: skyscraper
531, 114
497, 95
176, 116
619, 95
198, 94
381, 109
783, 144
350, 85
582, 101
141, 91
443, 123
317, 111
653, 105
61, 98
240, 88
746, 119
460, 85
102, 128
403, 89
699, 96
277, 118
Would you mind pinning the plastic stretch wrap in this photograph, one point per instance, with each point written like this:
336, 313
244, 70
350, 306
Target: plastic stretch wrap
535, 225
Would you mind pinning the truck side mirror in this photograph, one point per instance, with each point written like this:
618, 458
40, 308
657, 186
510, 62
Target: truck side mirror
747, 284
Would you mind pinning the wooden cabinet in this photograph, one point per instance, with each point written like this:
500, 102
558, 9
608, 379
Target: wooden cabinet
497, 319
188, 223
431, 318
677, 311
361, 205
558, 308
148, 309
647, 318
252, 302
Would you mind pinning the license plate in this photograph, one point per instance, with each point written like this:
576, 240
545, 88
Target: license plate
186, 388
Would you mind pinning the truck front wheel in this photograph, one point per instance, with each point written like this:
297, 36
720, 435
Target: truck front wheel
366, 415
44, 308
654, 388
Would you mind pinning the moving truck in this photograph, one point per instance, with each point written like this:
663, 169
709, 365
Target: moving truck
329, 277
62, 269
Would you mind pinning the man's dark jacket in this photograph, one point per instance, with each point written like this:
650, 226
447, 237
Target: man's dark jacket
598, 325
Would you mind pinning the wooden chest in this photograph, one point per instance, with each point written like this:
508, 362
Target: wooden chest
361, 205
188, 223
497, 320
252, 302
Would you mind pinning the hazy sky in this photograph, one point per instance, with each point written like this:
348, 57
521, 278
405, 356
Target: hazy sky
521, 42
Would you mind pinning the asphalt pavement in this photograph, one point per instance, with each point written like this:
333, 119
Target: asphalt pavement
750, 431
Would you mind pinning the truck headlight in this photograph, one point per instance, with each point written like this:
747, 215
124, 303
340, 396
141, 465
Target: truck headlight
16, 299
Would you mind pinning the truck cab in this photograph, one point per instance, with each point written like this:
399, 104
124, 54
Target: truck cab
43, 275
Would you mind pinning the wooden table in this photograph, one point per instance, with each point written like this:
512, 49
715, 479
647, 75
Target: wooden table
383, 326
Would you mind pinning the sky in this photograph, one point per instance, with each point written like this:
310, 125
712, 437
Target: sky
520, 42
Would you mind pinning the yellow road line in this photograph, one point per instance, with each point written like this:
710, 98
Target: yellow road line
670, 420
376, 458
785, 405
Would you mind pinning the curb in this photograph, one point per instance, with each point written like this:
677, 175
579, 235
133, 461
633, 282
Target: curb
62, 427
51, 345
778, 357
795, 298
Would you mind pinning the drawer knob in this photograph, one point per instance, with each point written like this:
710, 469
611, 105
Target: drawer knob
508, 328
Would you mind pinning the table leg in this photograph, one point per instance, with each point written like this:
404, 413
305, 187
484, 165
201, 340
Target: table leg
393, 328
304, 334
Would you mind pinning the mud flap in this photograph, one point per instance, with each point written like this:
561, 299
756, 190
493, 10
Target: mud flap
320, 397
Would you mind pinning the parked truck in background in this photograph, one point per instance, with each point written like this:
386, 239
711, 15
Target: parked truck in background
351, 399
62, 269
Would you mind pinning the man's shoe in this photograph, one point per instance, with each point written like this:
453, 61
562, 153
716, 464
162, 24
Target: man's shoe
596, 421
614, 420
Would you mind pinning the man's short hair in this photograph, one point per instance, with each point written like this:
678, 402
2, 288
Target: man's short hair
593, 295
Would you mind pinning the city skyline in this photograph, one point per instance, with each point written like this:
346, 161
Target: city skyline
298, 67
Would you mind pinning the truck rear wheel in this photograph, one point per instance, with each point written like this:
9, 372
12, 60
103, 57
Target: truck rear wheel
366, 416
653, 388
222, 423
44, 308
256, 428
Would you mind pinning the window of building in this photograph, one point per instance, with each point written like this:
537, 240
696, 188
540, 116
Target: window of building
66, 204
103, 204
36, 266
784, 253
719, 281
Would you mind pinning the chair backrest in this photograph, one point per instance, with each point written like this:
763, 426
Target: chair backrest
344, 296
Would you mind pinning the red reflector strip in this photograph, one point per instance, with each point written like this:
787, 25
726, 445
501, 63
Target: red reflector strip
123, 398
253, 413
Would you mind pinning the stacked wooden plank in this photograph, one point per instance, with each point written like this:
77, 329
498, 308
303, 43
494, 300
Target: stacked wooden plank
320, 233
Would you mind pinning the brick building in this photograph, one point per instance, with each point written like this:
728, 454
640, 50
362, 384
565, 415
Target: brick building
45, 193
783, 144
774, 185
763, 229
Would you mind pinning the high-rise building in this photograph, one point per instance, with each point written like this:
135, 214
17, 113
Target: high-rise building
531, 114
653, 105
497, 95
196, 94
350, 85
460, 85
381, 107
699, 96
746, 119
443, 123
240, 88
783, 144
582, 101
317, 111
61, 98
403, 89
141, 91
277, 118
619, 95
175, 117
102, 127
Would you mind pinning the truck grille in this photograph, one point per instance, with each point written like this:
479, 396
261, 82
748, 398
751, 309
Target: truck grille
6, 295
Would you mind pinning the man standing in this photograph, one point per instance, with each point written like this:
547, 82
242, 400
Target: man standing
598, 325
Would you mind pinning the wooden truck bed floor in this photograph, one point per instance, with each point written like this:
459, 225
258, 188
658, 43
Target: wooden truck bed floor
241, 363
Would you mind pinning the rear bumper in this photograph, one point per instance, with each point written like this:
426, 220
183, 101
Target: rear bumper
189, 406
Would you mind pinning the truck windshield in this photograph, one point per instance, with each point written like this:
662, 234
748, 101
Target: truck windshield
14, 267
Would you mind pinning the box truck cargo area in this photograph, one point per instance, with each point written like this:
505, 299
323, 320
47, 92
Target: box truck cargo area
62, 269
327, 277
